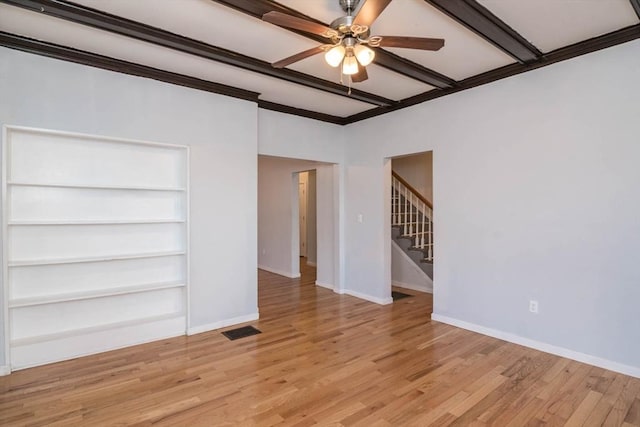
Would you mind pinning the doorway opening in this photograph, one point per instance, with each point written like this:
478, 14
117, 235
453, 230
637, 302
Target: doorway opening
298, 226
411, 221
307, 223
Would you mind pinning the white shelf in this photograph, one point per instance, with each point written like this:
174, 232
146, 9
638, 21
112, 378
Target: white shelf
34, 262
96, 186
92, 329
96, 222
98, 293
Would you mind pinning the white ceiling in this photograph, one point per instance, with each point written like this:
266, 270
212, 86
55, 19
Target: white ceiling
552, 24
547, 24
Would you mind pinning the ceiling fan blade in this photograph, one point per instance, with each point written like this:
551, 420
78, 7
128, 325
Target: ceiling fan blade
300, 56
423, 43
284, 20
370, 11
361, 75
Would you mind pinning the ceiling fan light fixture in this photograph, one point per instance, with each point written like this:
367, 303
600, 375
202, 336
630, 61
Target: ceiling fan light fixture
364, 54
349, 65
335, 55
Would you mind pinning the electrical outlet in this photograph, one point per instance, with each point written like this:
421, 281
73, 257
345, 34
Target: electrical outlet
533, 306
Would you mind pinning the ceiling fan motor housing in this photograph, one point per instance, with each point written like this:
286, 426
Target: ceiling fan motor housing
344, 26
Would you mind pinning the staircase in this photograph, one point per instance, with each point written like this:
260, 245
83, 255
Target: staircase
411, 223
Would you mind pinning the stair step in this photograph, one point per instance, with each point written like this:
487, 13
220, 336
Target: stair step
415, 248
424, 233
414, 223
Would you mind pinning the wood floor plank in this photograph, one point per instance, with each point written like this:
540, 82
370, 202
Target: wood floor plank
323, 359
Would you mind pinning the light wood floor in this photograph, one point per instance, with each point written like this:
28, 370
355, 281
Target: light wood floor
323, 359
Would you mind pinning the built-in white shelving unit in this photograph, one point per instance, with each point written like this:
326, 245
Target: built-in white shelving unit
95, 243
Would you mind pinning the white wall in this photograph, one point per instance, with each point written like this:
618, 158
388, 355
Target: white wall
278, 232
417, 170
221, 131
406, 274
284, 135
536, 188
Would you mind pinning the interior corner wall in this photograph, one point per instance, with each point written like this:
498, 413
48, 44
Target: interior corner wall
536, 193
221, 131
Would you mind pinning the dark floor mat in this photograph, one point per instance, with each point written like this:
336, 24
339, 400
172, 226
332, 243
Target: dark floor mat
399, 295
245, 331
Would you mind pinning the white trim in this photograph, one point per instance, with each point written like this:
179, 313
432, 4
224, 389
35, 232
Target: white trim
5, 370
5, 246
381, 301
279, 272
223, 323
600, 362
324, 285
425, 289
187, 237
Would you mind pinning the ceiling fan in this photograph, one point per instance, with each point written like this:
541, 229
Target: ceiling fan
350, 38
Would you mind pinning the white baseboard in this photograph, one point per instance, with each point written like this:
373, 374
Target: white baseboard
633, 371
223, 323
324, 285
426, 289
381, 301
4, 370
280, 272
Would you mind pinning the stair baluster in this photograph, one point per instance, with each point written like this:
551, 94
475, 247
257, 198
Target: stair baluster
413, 214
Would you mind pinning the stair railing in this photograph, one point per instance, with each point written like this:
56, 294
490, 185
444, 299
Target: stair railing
413, 213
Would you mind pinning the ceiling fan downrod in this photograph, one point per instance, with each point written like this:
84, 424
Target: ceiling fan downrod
349, 5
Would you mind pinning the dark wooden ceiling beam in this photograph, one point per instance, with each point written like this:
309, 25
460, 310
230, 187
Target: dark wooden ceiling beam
588, 46
636, 6
106, 63
408, 68
115, 24
484, 23
384, 58
267, 105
